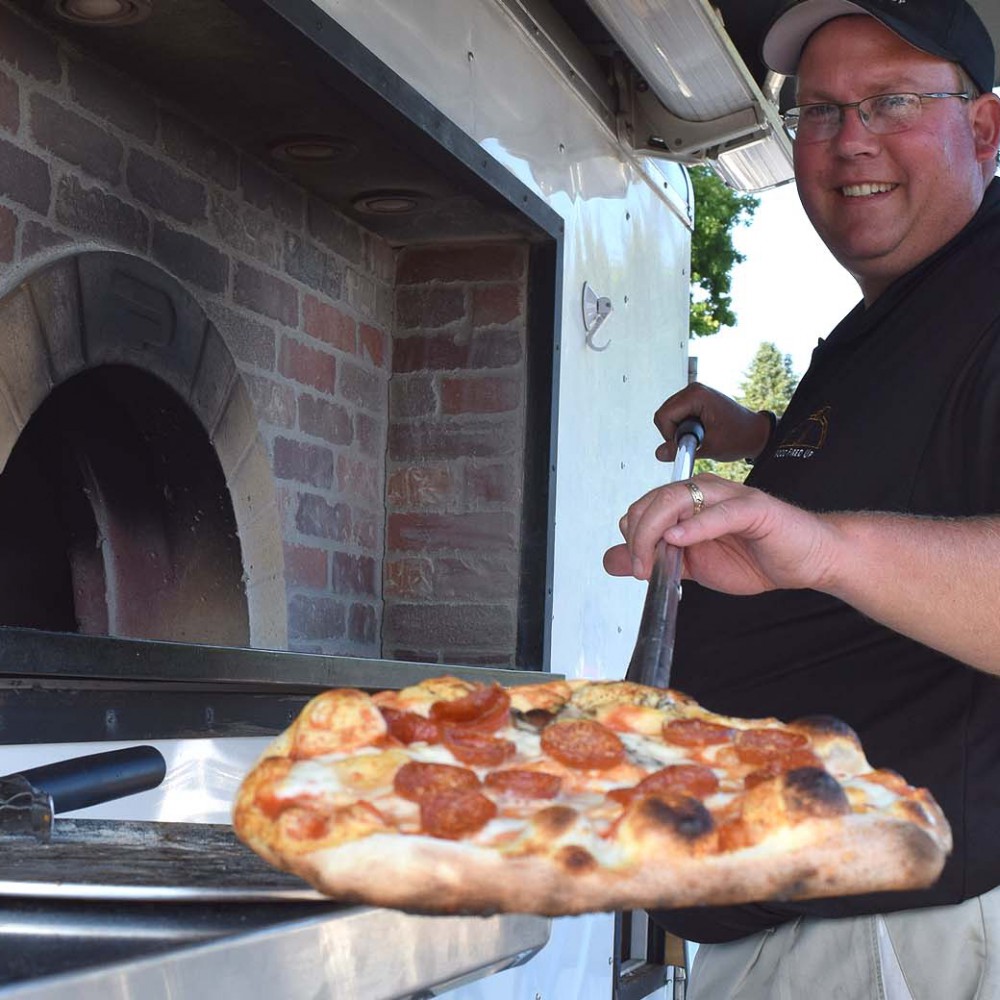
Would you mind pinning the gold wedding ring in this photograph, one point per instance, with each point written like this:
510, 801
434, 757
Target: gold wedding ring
697, 497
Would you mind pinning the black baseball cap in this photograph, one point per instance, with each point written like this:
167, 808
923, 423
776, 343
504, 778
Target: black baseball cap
950, 29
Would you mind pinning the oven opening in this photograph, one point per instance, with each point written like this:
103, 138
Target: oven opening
115, 517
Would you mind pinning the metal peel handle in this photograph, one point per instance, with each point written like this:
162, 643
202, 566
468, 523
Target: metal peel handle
653, 655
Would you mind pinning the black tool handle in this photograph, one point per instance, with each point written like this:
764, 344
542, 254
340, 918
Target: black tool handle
98, 777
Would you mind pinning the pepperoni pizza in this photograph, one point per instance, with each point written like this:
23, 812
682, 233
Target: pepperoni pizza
571, 796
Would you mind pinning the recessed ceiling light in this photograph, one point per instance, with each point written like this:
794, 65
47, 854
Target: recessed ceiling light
312, 149
389, 202
104, 13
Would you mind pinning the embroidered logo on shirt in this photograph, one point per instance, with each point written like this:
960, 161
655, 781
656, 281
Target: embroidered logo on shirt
806, 438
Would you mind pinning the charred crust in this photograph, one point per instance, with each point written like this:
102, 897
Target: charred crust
554, 820
825, 725
811, 791
576, 859
685, 817
915, 811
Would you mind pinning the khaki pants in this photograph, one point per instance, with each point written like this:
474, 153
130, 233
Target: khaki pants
939, 953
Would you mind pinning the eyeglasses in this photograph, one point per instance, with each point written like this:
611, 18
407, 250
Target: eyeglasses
882, 114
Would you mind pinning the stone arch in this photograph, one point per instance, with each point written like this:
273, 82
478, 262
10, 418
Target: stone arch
107, 310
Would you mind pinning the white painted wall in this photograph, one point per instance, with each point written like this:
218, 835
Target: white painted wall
627, 238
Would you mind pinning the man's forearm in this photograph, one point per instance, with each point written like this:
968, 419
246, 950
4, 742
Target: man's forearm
936, 580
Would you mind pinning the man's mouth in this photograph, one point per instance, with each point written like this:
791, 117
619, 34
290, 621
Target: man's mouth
866, 190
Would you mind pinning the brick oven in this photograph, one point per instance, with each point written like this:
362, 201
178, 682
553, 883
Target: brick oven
275, 348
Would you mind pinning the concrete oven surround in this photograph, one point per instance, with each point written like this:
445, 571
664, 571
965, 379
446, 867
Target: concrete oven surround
365, 402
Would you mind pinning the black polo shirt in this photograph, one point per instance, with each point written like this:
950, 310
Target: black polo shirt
899, 411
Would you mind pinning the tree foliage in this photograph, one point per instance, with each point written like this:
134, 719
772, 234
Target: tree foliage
718, 209
768, 384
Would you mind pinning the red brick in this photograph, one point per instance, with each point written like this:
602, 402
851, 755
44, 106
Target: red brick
498, 483
273, 402
489, 262
497, 349
412, 396
303, 463
308, 366
451, 625
435, 440
476, 576
353, 574
325, 419
329, 324
305, 566
358, 478
493, 305
38, 237
480, 395
373, 345
427, 532
334, 231
266, 294
10, 111
111, 97
24, 177
429, 308
316, 618
362, 624
162, 187
316, 517
363, 387
408, 578
420, 486
371, 434
366, 528
199, 151
8, 233
99, 214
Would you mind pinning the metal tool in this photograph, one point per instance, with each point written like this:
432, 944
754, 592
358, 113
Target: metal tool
30, 799
654, 645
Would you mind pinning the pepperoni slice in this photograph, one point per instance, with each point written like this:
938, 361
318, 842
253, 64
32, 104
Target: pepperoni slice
696, 733
583, 744
524, 784
456, 814
416, 779
690, 780
761, 746
483, 708
473, 747
409, 727
780, 763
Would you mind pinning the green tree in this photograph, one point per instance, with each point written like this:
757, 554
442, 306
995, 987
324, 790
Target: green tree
768, 384
717, 210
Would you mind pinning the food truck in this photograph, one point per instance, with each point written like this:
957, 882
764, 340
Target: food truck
332, 331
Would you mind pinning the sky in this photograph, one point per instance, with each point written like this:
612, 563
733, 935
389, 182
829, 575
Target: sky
789, 291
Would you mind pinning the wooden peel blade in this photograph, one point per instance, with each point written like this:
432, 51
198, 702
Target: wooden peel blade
653, 654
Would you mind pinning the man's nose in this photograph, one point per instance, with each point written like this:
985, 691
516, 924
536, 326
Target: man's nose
854, 137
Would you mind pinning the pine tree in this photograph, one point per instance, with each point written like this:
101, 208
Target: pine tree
768, 384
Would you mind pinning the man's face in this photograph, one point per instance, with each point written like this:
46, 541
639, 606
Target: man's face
883, 203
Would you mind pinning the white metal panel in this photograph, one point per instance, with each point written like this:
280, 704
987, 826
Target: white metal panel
625, 236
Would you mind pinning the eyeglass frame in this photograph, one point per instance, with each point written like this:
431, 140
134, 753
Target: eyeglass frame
842, 108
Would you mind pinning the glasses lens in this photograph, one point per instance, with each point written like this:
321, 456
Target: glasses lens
890, 112
813, 122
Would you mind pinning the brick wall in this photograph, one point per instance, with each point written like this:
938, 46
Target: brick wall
302, 297
456, 454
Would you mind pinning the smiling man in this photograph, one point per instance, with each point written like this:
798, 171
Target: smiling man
885, 614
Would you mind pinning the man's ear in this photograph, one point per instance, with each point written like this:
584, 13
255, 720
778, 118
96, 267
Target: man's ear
986, 127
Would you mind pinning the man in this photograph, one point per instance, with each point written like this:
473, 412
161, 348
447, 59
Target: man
879, 619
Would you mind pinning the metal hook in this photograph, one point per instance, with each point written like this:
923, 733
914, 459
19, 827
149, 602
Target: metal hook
596, 309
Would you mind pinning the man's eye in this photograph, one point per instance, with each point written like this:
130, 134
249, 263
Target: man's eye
819, 112
889, 103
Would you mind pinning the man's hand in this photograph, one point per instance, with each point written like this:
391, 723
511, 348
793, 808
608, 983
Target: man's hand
936, 580
743, 542
732, 431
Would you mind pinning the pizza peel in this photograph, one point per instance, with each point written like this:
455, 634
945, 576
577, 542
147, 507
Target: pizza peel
654, 645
